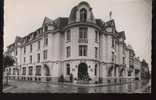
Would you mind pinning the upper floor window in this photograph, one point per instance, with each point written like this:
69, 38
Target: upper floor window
68, 69
123, 60
124, 49
24, 60
68, 51
113, 43
83, 50
30, 48
68, 35
46, 41
38, 57
95, 73
24, 50
16, 52
83, 15
112, 56
83, 34
96, 36
45, 54
31, 59
39, 45
96, 52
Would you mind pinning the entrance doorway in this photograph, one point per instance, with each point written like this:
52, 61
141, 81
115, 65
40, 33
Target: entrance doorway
47, 72
83, 72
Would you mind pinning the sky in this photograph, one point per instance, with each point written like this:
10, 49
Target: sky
22, 17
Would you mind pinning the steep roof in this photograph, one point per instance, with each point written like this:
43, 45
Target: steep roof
100, 23
61, 22
47, 21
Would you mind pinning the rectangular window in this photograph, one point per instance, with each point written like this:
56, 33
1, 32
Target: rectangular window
39, 45
30, 48
96, 52
68, 51
30, 70
83, 50
112, 43
112, 56
14, 71
38, 70
46, 41
24, 50
24, 60
9, 71
96, 36
83, 34
30, 59
38, 57
45, 54
17, 71
68, 36
24, 71
16, 52
123, 60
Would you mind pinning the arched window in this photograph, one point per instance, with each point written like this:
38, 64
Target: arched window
68, 69
83, 15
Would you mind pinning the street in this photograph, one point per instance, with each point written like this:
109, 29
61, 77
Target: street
34, 87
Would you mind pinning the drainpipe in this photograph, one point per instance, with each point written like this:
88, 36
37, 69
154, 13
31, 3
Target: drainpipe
99, 57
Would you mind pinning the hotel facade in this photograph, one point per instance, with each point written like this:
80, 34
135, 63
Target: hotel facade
78, 48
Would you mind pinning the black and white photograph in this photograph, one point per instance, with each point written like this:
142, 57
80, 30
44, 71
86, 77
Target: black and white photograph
77, 46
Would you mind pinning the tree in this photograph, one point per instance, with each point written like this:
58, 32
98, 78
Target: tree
8, 61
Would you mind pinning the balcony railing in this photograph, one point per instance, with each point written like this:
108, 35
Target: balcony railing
83, 40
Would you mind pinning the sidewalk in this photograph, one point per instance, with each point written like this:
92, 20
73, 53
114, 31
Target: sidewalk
91, 85
143, 88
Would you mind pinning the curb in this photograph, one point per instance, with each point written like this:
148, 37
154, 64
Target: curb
10, 87
98, 85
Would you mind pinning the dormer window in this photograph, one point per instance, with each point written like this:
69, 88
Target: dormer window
83, 15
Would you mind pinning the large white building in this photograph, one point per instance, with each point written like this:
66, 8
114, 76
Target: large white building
79, 46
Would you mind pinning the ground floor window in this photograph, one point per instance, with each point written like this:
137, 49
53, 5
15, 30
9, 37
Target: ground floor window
95, 73
9, 71
68, 69
24, 71
14, 71
38, 70
30, 70
17, 71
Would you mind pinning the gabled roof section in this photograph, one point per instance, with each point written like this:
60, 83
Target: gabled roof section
47, 21
111, 23
122, 34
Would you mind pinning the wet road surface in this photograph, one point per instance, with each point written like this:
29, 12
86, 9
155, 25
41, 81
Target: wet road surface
34, 87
